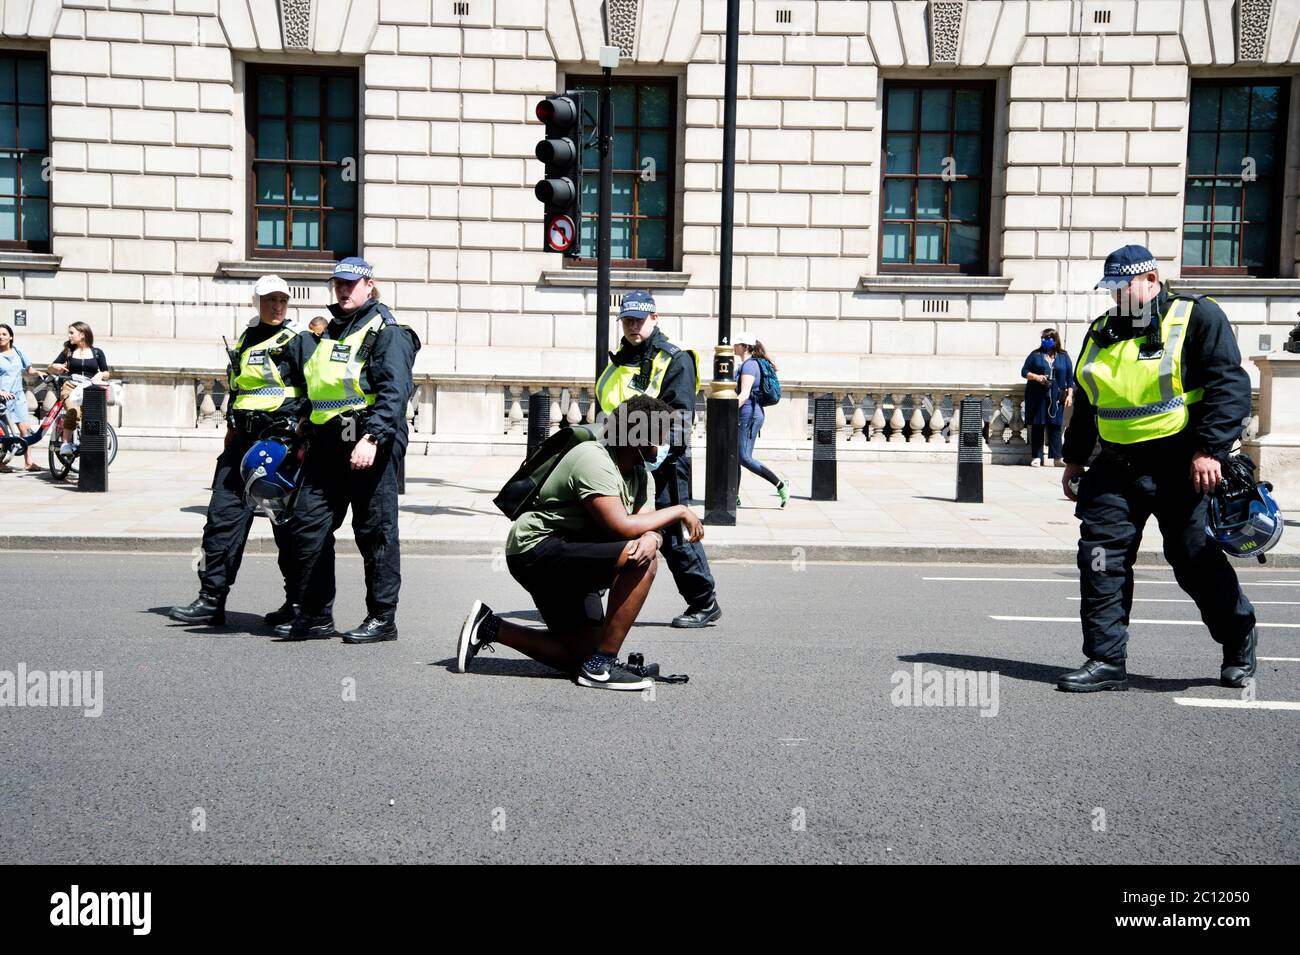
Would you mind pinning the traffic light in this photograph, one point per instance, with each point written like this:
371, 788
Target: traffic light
561, 190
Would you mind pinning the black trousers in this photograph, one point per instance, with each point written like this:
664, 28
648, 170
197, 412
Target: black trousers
329, 488
687, 562
226, 531
1053, 440
1116, 497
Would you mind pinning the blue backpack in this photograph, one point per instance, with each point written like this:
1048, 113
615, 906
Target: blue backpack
768, 392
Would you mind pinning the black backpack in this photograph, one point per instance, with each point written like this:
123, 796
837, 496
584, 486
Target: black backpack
517, 494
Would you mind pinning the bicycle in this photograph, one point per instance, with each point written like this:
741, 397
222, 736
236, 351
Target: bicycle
11, 442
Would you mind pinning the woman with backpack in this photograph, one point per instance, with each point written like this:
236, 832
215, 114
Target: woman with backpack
759, 387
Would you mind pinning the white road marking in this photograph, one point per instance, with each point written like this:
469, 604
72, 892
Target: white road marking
1282, 659
1237, 704
1186, 600
1173, 623
1246, 581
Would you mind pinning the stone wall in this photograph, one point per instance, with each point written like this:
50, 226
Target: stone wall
147, 123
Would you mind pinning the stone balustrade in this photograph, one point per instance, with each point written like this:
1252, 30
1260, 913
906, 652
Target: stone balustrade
170, 408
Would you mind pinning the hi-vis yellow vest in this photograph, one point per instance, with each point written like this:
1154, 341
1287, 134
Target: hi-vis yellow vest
1138, 397
617, 383
257, 383
334, 370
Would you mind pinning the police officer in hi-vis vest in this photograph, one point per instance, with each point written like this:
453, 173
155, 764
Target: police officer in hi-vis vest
266, 356
358, 383
647, 363
1160, 382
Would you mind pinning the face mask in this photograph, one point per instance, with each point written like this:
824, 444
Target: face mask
660, 457
1049, 343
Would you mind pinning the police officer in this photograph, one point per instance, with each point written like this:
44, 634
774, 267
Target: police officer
648, 363
1160, 382
265, 357
358, 382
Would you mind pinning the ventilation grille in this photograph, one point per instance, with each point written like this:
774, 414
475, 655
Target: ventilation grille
785, 16
460, 9
934, 306
300, 292
1101, 16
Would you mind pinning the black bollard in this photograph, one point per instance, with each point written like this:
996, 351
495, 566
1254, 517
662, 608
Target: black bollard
539, 420
92, 458
824, 476
970, 453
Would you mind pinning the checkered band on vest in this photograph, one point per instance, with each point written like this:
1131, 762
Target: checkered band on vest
1142, 411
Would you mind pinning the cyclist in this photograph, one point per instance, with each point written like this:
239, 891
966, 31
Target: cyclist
79, 358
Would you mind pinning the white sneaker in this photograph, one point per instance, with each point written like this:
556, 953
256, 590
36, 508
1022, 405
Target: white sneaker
67, 449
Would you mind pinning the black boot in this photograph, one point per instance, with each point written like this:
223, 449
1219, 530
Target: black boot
304, 627
1093, 676
286, 613
374, 629
206, 608
1239, 661
700, 617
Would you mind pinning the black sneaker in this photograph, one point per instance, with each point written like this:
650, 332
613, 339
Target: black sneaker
606, 673
468, 643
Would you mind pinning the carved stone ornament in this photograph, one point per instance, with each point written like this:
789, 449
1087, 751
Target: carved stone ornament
945, 30
1252, 28
295, 24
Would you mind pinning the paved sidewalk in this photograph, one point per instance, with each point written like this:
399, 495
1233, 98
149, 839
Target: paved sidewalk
886, 511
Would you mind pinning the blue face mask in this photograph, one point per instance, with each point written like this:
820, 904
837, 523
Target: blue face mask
660, 458
1049, 343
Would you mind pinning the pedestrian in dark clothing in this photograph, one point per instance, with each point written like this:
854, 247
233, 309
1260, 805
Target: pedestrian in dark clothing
1049, 390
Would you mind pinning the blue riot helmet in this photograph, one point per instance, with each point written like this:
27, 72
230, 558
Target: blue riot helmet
272, 474
1243, 518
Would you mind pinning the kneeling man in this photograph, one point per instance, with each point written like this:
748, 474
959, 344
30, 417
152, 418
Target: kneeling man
591, 527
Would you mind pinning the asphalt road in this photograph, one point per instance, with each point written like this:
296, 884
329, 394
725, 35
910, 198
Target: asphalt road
785, 746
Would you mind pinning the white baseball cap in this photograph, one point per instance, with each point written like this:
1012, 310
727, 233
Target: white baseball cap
744, 338
269, 284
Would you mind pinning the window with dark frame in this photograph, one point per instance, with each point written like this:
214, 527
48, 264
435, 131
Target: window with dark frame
1236, 149
303, 163
644, 158
934, 197
24, 150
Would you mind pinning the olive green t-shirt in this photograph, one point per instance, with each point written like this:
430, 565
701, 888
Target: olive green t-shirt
587, 471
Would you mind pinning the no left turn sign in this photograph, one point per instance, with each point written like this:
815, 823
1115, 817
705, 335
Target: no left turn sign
560, 234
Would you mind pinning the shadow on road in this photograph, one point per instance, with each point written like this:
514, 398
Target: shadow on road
247, 623
1043, 673
433, 510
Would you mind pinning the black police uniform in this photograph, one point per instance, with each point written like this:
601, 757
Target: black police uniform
230, 518
686, 560
1128, 483
330, 486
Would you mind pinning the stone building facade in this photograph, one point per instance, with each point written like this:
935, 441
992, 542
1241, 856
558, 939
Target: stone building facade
1078, 118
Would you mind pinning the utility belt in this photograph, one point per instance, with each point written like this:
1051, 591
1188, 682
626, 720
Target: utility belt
1175, 451
254, 424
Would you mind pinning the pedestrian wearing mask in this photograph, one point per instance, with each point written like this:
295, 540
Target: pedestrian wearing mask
1048, 392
